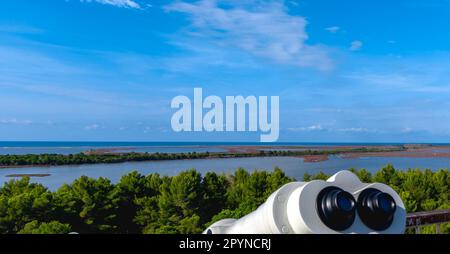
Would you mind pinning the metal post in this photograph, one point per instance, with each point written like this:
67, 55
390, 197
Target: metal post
417, 230
438, 228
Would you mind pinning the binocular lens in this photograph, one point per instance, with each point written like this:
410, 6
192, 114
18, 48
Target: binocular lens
345, 204
336, 208
376, 209
386, 203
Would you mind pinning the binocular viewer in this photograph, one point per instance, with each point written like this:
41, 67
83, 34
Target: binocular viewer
340, 205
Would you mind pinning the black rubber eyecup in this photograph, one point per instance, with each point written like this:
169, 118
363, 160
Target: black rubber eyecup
336, 208
376, 209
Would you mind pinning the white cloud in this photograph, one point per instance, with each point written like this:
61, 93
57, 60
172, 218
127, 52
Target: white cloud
264, 30
15, 121
353, 129
407, 130
356, 45
333, 29
395, 80
147, 129
421, 75
404, 81
118, 3
317, 127
92, 127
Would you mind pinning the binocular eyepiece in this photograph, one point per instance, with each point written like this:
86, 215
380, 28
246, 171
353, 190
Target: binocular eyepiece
337, 208
376, 209
342, 204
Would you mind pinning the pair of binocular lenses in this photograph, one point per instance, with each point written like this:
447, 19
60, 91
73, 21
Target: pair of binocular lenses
337, 208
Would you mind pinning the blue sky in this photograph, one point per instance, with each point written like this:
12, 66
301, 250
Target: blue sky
345, 71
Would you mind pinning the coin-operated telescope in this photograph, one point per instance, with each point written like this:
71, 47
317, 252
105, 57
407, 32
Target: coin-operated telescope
340, 205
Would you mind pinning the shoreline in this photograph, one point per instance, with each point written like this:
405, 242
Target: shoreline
310, 154
247, 149
27, 175
421, 152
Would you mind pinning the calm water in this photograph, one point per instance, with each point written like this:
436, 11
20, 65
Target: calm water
80, 149
21, 148
294, 167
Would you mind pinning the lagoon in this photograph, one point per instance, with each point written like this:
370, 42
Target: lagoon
294, 167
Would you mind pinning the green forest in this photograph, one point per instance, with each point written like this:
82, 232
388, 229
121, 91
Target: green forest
185, 203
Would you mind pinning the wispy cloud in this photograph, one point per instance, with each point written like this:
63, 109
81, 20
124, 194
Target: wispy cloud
15, 121
92, 127
407, 130
353, 129
118, 3
356, 45
19, 29
265, 30
406, 81
391, 80
333, 29
38, 72
319, 127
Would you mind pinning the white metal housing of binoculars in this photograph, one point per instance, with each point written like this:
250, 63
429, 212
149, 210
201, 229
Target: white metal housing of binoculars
340, 205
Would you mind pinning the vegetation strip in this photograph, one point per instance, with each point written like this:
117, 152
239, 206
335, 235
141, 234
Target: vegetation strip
83, 158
